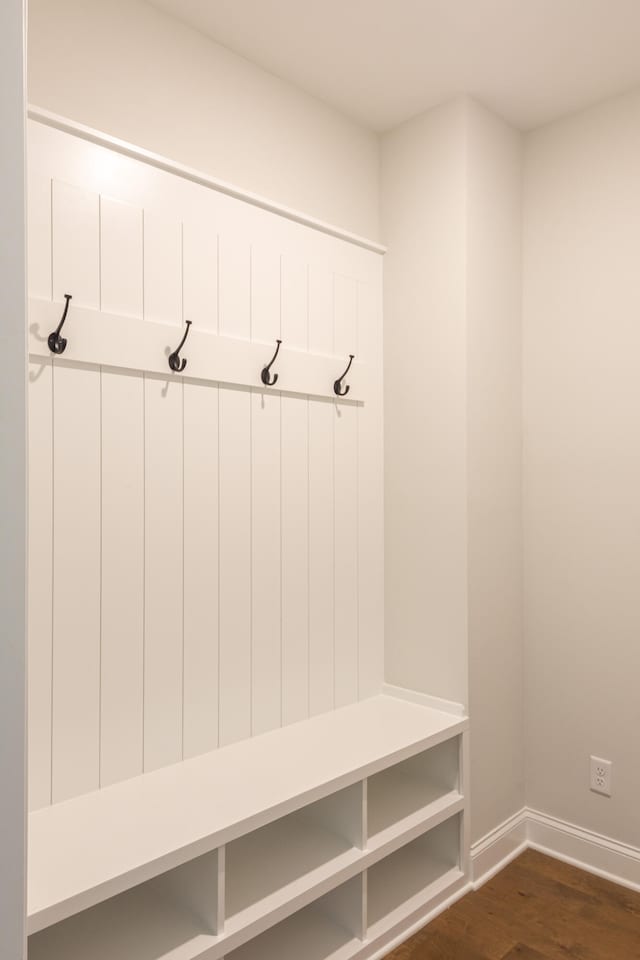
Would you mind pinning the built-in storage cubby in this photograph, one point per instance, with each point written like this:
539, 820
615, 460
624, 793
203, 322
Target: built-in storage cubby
407, 879
360, 827
406, 793
331, 928
176, 915
271, 865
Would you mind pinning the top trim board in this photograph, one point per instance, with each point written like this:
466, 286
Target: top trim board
196, 176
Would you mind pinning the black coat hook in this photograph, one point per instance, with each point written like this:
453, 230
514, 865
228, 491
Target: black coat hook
265, 376
337, 384
58, 344
176, 364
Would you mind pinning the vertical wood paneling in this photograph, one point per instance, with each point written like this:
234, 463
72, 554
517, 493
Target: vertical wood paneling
295, 559
122, 654
40, 581
76, 584
321, 585
163, 632
346, 554
121, 266
162, 268
346, 504
234, 273
39, 235
345, 316
200, 568
76, 242
163, 641
200, 253
295, 506
295, 313
266, 660
217, 552
370, 499
235, 565
266, 640
321, 311
235, 500
265, 295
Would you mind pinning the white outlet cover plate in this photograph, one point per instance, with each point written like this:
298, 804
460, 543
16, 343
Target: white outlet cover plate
600, 776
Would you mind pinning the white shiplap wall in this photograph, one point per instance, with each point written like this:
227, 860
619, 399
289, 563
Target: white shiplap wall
205, 560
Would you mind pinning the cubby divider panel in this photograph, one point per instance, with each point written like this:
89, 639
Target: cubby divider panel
412, 789
268, 867
331, 928
176, 915
414, 874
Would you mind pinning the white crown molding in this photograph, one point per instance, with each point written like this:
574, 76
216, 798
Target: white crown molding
590, 851
196, 176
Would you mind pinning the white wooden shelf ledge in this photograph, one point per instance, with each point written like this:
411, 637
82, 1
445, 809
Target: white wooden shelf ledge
93, 847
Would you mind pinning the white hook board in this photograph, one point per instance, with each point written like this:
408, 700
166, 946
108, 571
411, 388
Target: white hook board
104, 339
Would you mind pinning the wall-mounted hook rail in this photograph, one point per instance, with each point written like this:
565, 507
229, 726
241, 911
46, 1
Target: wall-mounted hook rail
58, 344
176, 364
265, 376
337, 384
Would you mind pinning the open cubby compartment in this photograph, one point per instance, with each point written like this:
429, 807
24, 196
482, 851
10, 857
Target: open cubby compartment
175, 915
408, 879
330, 928
292, 856
410, 791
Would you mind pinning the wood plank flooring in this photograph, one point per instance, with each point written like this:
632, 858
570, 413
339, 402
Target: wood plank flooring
537, 908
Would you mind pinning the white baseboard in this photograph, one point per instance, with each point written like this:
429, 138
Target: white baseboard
498, 848
526, 829
590, 851
602, 856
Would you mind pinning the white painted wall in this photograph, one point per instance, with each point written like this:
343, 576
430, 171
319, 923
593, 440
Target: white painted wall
582, 464
451, 186
12, 483
423, 177
494, 452
451, 201
127, 69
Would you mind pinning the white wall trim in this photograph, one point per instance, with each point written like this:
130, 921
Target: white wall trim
590, 851
498, 848
196, 176
13, 482
425, 699
611, 859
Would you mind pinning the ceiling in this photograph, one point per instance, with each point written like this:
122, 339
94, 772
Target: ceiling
383, 61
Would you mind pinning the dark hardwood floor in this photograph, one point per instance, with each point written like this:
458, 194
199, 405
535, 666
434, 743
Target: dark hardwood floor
535, 909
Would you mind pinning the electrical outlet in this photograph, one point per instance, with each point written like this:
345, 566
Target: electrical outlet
600, 781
